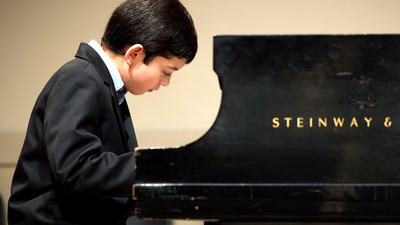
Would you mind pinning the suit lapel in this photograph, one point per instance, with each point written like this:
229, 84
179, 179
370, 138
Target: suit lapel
132, 142
88, 53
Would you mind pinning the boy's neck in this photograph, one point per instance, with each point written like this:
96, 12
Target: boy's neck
117, 59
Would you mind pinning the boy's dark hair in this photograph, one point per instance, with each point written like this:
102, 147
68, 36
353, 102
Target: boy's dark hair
164, 28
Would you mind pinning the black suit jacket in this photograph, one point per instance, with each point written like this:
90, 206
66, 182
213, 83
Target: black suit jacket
77, 162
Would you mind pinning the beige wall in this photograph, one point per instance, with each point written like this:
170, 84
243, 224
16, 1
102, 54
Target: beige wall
39, 36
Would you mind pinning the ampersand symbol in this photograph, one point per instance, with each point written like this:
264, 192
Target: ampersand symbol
387, 122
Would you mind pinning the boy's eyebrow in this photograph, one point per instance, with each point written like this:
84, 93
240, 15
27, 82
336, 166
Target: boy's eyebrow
173, 68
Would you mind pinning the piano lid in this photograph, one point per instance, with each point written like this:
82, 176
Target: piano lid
308, 128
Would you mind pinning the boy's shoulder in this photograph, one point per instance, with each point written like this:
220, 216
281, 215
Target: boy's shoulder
78, 70
77, 74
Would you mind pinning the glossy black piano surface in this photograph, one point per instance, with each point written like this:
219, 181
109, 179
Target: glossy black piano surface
308, 130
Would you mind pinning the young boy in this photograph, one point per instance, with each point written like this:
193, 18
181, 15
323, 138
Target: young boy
77, 161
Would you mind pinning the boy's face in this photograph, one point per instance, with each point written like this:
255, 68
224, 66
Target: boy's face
142, 78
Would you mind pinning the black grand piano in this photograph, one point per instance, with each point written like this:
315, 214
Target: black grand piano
308, 131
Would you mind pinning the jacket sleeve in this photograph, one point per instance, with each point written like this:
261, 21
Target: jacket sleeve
79, 163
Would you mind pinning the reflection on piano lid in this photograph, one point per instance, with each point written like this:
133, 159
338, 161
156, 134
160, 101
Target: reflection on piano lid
308, 130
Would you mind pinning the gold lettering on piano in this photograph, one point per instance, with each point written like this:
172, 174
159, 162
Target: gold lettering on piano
322, 122
353, 122
288, 119
275, 122
368, 120
302, 122
338, 122
388, 122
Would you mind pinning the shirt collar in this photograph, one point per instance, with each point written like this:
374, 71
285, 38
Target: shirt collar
115, 75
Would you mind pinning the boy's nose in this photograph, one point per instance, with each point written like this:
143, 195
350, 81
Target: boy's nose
165, 82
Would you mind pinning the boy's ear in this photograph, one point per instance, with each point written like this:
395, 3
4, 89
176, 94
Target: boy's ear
134, 53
